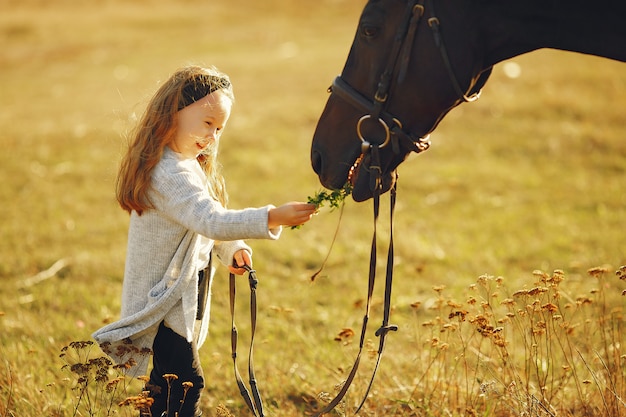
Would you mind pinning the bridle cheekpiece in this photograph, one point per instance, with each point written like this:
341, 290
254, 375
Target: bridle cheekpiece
375, 109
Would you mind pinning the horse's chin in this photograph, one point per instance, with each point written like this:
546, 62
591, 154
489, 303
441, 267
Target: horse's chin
360, 179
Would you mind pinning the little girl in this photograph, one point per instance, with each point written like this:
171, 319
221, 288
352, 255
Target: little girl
170, 183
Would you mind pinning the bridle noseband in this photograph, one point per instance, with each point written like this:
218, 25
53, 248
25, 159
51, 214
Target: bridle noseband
375, 109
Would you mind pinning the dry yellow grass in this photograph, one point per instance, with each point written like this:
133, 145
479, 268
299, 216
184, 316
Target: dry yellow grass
531, 177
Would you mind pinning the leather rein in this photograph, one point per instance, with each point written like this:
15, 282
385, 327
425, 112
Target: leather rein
376, 110
254, 402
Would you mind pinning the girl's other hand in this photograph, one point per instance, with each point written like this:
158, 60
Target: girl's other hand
241, 258
290, 214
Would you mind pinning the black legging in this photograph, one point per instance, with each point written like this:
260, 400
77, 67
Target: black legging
174, 355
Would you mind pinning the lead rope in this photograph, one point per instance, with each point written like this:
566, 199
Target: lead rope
385, 326
375, 184
257, 406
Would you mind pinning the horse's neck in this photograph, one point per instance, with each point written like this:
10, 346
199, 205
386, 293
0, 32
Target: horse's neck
513, 27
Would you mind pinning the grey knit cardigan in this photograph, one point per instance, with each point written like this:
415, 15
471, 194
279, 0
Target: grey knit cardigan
161, 272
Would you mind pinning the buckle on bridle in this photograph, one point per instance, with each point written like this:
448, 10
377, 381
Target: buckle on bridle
365, 141
379, 98
386, 329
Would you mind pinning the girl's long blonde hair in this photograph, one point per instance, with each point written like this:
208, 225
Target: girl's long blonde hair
156, 129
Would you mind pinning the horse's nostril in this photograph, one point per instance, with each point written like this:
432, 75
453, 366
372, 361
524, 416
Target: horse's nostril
316, 161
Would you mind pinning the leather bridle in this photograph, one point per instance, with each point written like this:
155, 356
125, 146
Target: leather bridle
395, 135
375, 109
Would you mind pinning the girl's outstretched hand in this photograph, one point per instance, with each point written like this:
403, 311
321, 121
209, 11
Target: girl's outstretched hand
290, 214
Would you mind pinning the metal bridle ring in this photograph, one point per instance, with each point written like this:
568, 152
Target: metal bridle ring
384, 125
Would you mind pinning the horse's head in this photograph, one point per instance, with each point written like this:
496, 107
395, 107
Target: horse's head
397, 84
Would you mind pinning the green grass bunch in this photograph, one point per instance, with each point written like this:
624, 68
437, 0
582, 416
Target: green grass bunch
334, 198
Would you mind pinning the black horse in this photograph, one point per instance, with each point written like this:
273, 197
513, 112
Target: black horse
411, 62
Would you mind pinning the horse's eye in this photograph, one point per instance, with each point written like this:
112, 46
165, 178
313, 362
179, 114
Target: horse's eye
369, 31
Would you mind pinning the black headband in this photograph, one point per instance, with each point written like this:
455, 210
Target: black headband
199, 86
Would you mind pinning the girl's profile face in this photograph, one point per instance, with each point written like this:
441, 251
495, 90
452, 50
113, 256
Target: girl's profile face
200, 124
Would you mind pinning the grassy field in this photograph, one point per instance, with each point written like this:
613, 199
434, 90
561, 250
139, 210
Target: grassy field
497, 226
